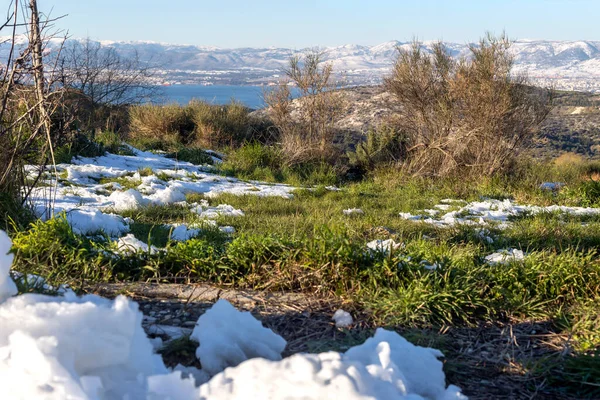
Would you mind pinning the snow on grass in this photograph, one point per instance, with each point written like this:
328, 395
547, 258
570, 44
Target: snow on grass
182, 232
353, 211
498, 212
208, 212
69, 347
129, 244
88, 203
383, 246
384, 367
505, 256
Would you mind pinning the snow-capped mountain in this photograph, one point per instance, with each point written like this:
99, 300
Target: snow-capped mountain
563, 64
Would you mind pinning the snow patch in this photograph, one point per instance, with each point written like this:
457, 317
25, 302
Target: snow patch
7, 285
353, 211
342, 319
505, 256
383, 246
229, 337
130, 245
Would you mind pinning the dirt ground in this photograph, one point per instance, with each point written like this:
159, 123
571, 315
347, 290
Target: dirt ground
493, 361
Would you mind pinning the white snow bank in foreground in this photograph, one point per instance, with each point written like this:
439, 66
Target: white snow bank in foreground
384, 367
505, 256
91, 348
79, 348
7, 286
223, 342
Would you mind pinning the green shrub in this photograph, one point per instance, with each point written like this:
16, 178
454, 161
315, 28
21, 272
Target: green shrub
384, 145
190, 154
247, 159
51, 250
80, 146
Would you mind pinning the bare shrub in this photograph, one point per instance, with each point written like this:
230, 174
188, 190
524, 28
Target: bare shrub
168, 122
468, 115
306, 125
220, 125
30, 100
104, 76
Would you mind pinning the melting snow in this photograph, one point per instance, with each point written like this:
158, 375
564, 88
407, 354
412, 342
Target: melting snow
70, 347
129, 244
88, 203
342, 319
490, 211
505, 256
353, 211
383, 246
224, 344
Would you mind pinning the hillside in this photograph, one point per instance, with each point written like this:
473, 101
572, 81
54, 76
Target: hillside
567, 65
573, 125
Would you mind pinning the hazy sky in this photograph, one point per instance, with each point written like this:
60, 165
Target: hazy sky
302, 23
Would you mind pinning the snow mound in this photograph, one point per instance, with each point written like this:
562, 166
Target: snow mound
342, 319
91, 348
505, 257
86, 222
229, 337
384, 367
411, 369
7, 286
207, 212
128, 200
87, 348
182, 233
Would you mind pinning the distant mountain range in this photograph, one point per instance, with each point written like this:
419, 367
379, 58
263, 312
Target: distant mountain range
563, 64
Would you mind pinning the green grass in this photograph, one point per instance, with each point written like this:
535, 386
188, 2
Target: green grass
307, 244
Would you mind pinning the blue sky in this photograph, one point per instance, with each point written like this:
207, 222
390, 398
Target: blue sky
303, 23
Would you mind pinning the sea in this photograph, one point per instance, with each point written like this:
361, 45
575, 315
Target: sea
251, 96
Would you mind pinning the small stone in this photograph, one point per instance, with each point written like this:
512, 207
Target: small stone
189, 324
176, 321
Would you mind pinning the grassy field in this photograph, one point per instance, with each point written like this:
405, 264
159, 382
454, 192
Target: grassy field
526, 325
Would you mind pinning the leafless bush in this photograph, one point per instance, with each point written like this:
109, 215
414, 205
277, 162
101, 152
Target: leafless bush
306, 125
30, 99
220, 125
169, 122
104, 76
468, 115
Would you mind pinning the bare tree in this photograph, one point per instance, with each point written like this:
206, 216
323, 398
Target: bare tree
104, 76
306, 125
29, 98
